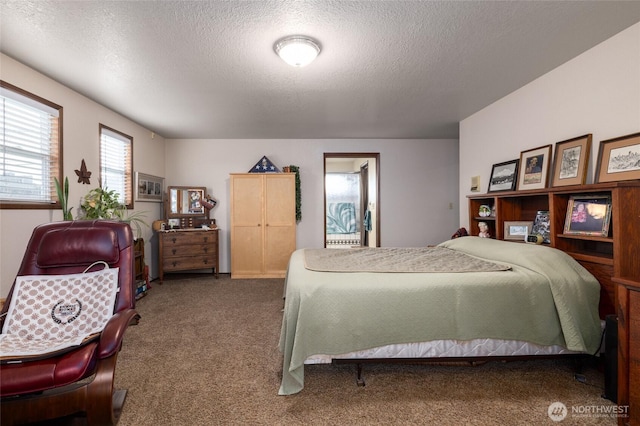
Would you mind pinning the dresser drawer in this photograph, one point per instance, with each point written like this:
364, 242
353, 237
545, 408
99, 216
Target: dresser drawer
188, 250
187, 263
189, 238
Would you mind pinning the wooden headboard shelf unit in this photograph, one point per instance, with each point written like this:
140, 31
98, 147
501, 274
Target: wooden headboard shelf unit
605, 257
614, 260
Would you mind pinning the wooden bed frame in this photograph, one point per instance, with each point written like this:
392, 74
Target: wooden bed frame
578, 359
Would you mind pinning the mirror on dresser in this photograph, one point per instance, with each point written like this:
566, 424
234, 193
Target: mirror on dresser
188, 240
186, 207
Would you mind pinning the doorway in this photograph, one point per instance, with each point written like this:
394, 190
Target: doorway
351, 200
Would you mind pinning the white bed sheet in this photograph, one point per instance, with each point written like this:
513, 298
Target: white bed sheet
448, 349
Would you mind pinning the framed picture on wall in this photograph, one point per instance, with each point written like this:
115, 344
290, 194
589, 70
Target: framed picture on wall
504, 176
149, 188
534, 168
619, 159
572, 161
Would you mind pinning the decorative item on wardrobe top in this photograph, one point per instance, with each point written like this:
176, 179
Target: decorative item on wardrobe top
264, 166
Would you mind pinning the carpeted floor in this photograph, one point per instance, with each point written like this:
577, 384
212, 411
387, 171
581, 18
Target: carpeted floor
205, 353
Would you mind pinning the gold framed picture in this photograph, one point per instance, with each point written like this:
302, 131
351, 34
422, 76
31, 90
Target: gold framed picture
534, 168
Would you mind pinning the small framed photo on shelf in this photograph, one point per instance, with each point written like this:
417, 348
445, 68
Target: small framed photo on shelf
541, 226
572, 161
504, 176
149, 188
619, 159
588, 215
534, 168
517, 230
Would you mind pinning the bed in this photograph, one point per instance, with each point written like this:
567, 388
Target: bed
500, 295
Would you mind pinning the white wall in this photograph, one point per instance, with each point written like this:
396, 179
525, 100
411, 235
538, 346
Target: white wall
597, 92
81, 118
418, 177
418, 181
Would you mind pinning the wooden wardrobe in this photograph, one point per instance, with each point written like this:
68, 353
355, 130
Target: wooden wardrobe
263, 224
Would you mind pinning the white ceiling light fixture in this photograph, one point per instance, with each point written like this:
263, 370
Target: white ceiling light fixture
297, 50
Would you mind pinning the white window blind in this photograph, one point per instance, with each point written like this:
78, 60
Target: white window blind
29, 147
115, 163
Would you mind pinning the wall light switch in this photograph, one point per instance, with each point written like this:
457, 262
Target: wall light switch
475, 184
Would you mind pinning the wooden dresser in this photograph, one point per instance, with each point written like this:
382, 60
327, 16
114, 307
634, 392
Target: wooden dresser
188, 249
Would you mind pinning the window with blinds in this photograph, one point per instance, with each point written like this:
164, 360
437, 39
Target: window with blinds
30, 149
116, 163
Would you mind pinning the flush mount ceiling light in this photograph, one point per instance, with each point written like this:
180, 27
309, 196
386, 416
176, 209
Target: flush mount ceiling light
297, 51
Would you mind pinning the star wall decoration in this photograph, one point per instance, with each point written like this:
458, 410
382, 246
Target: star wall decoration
83, 174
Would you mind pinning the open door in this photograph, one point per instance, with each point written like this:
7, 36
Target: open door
351, 200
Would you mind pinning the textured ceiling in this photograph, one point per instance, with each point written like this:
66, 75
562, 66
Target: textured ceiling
388, 69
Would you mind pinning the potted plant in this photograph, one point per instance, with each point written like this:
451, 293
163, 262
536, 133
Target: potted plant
102, 203
63, 197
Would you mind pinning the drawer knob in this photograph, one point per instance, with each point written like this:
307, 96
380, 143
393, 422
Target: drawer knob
174, 263
206, 249
205, 261
205, 239
173, 251
173, 240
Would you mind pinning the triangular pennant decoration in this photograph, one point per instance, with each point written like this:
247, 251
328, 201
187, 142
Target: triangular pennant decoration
264, 166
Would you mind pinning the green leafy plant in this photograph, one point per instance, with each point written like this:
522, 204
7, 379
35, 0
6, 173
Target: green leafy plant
102, 203
63, 198
296, 170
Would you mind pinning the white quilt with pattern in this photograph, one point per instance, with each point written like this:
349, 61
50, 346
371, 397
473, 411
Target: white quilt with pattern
48, 313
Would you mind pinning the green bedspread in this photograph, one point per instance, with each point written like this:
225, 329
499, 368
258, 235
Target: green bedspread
546, 298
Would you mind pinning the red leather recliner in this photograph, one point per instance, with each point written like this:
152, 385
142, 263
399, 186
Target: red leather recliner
48, 388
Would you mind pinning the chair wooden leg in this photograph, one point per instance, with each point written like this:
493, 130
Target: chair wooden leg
100, 407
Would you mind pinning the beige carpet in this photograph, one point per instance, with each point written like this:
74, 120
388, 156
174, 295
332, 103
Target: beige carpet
205, 353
